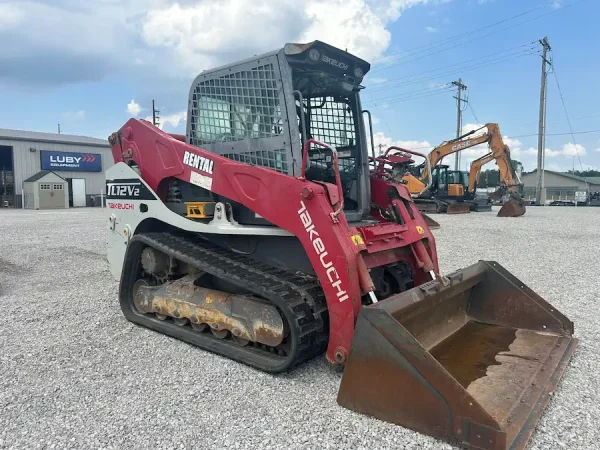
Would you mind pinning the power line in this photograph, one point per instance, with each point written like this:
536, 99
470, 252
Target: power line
472, 111
460, 70
380, 115
557, 134
461, 35
403, 99
468, 61
478, 38
562, 99
416, 91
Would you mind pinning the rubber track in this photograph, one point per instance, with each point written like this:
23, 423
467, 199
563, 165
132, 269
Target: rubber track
300, 298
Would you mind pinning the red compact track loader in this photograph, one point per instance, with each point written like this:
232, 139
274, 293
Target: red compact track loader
262, 235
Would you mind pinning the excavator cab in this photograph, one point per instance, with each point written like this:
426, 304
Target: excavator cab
448, 187
450, 183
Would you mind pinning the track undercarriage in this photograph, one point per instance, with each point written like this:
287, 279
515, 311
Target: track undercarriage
438, 206
176, 286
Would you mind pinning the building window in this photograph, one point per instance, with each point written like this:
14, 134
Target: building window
57, 187
44, 187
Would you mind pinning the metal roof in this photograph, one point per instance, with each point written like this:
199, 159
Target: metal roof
589, 180
35, 136
40, 174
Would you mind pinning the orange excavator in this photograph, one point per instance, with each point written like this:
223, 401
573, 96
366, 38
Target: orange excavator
450, 191
511, 197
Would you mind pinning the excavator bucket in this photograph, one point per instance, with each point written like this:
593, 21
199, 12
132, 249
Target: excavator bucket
512, 208
473, 362
432, 224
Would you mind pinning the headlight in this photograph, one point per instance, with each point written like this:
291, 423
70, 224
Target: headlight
358, 72
314, 54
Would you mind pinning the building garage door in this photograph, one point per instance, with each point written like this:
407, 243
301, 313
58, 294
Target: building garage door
52, 195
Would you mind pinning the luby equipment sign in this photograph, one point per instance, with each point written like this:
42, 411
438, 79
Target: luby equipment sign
81, 162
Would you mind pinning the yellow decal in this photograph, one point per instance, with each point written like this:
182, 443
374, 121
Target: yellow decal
357, 239
420, 229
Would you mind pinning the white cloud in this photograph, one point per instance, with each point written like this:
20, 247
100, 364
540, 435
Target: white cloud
10, 16
431, 29
157, 39
204, 33
597, 150
573, 149
381, 139
133, 108
514, 145
548, 153
567, 150
172, 119
556, 4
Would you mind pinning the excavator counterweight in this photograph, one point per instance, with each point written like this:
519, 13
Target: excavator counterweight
265, 236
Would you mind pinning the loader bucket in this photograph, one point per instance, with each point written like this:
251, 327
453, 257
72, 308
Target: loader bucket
473, 363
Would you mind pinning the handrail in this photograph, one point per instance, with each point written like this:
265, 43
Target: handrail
302, 121
371, 131
427, 163
336, 170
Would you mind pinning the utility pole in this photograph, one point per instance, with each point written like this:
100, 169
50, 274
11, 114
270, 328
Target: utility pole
380, 147
155, 115
540, 191
59, 128
459, 84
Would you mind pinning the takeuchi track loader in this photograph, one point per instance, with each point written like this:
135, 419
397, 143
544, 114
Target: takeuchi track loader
262, 236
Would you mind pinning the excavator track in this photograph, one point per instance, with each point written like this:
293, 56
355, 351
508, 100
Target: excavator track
298, 298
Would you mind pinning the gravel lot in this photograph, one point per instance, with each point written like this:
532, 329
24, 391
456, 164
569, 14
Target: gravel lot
75, 374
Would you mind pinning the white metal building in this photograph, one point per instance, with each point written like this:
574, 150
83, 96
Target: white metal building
559, 185
46, 190
79, 160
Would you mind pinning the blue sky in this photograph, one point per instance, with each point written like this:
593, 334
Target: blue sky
91, 65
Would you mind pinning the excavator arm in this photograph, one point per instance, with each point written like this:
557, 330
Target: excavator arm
450, 147
475, 170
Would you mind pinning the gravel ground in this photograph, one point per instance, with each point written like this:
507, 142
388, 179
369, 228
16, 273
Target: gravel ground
75, 374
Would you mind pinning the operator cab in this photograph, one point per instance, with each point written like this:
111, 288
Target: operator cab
262, 110
449, 183
326, 85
